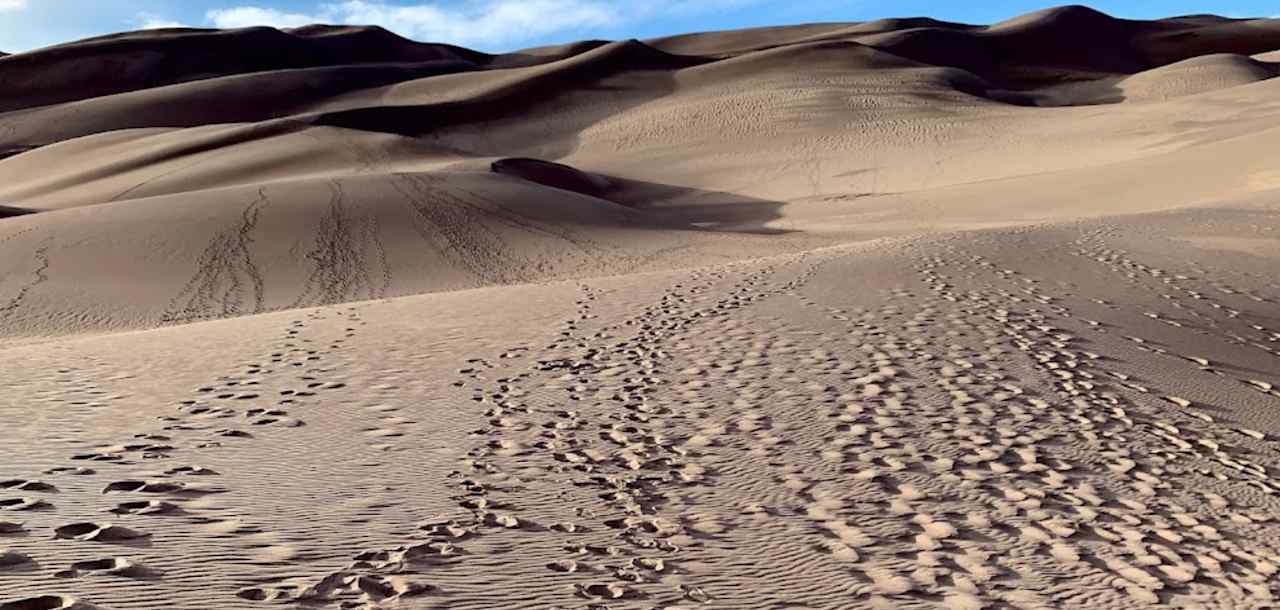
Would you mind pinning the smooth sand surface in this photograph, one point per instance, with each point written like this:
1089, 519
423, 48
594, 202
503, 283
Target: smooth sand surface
897, 314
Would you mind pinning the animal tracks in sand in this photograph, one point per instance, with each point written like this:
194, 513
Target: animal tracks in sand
759, 434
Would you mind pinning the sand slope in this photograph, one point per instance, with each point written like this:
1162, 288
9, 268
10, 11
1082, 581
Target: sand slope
1196, 75
896, 314
1075, 416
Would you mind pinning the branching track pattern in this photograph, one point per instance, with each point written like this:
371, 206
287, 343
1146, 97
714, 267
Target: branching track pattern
464, 227
227, 281
341, 257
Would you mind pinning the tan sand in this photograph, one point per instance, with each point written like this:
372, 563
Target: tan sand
898, 314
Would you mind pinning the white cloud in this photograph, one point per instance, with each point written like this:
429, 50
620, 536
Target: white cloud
492, 21
473, 22
12, 5
246, 16
149, 21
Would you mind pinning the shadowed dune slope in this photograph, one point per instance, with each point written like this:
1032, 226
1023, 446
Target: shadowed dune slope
554, 175
538, 83
258, 96
139, 60
1050, 45
735, 42
820, 55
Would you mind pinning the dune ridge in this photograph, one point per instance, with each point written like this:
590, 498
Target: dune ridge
141, 60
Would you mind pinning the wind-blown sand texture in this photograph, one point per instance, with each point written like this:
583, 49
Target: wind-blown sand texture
899, 314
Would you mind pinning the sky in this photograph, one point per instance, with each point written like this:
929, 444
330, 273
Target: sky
503, 25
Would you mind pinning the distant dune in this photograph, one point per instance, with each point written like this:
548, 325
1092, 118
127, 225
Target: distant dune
1196, 75
331, 142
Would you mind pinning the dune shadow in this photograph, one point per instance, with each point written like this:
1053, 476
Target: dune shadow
563, 97
670, 206
9, 211
651, 205
13, 151
1093, 92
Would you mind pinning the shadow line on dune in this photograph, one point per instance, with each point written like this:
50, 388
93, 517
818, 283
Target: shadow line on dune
687, 208
9, 211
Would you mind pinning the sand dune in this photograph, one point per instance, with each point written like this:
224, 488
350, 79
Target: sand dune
142, 60
801, 127
894, 314
259, 96
252, 248
1196, 75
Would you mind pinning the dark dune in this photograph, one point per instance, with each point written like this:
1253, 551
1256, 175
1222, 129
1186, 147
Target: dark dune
140, 60
906, 23
1201, 19
939, 47
1239, 37
258, 96
7, 150
511, 98
1052, 39
1048, 46
551, 174
731, 42
838, 54
536, 55
736, 42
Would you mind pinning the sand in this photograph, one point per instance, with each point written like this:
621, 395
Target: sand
897, 314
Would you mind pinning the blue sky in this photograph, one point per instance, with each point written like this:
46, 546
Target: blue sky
496, 25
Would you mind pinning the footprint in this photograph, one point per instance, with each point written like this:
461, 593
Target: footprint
75, 470
430, 551
47, 602
262, 595
654, 564
563, 565
191, 470
145, 507
154, 487
23, 504
378, 588
611, 590
10, 527
28, 485
97, 532
696, 594
98, 457
111, 566
450, 529
12, 559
